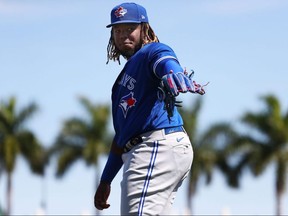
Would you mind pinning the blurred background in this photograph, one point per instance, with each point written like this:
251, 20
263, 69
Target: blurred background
55, 121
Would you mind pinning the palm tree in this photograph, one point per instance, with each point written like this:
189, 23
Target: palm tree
211, 150
266, 143
83, 139
16, 139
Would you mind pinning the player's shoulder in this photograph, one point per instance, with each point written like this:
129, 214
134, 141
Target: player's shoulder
156, 48
157, 45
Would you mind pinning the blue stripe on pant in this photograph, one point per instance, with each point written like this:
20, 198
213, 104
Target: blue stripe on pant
148, 177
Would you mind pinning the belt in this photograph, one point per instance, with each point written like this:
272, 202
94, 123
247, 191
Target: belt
173, 130
138, 139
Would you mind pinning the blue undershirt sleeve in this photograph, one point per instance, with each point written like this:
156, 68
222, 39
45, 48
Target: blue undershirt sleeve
113, 165
166, 65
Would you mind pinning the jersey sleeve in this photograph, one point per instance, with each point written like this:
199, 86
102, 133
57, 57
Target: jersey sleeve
166, 66
163, 59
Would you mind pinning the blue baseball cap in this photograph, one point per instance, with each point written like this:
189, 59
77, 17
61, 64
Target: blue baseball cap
128, 13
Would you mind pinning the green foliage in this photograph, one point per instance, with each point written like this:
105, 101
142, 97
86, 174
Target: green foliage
220, 146
265, 143
272, 146
211, 149
16, 139
82, 138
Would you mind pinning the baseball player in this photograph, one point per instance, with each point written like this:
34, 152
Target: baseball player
150, 141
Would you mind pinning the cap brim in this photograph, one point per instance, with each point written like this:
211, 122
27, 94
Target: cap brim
121, 22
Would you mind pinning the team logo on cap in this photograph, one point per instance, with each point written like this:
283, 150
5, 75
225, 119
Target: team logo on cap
120, 12
127, 102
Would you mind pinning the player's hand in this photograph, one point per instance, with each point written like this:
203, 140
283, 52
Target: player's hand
101, 196
180, 82
174, 83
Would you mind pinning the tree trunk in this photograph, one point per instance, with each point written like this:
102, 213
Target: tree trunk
43, 203
189, 204
9, 193
279, 203
280, 184
1, 170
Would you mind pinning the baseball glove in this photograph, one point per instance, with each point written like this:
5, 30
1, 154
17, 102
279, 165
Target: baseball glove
174, 83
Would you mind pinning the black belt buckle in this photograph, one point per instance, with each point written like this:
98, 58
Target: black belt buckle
133, 142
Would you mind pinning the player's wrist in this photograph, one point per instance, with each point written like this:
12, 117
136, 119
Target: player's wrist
105, 182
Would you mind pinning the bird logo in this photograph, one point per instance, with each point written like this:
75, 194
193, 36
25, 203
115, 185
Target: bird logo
127, 102
120, 12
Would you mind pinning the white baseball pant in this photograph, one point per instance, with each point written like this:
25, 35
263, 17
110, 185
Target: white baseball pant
153, 171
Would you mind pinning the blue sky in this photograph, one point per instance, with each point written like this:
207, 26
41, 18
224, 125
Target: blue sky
52, 51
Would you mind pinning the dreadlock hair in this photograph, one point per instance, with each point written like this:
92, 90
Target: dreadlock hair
147, 36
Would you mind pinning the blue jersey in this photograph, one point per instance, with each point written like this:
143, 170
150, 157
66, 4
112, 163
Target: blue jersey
136, 106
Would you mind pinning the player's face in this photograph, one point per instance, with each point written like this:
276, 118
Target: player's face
127, 38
